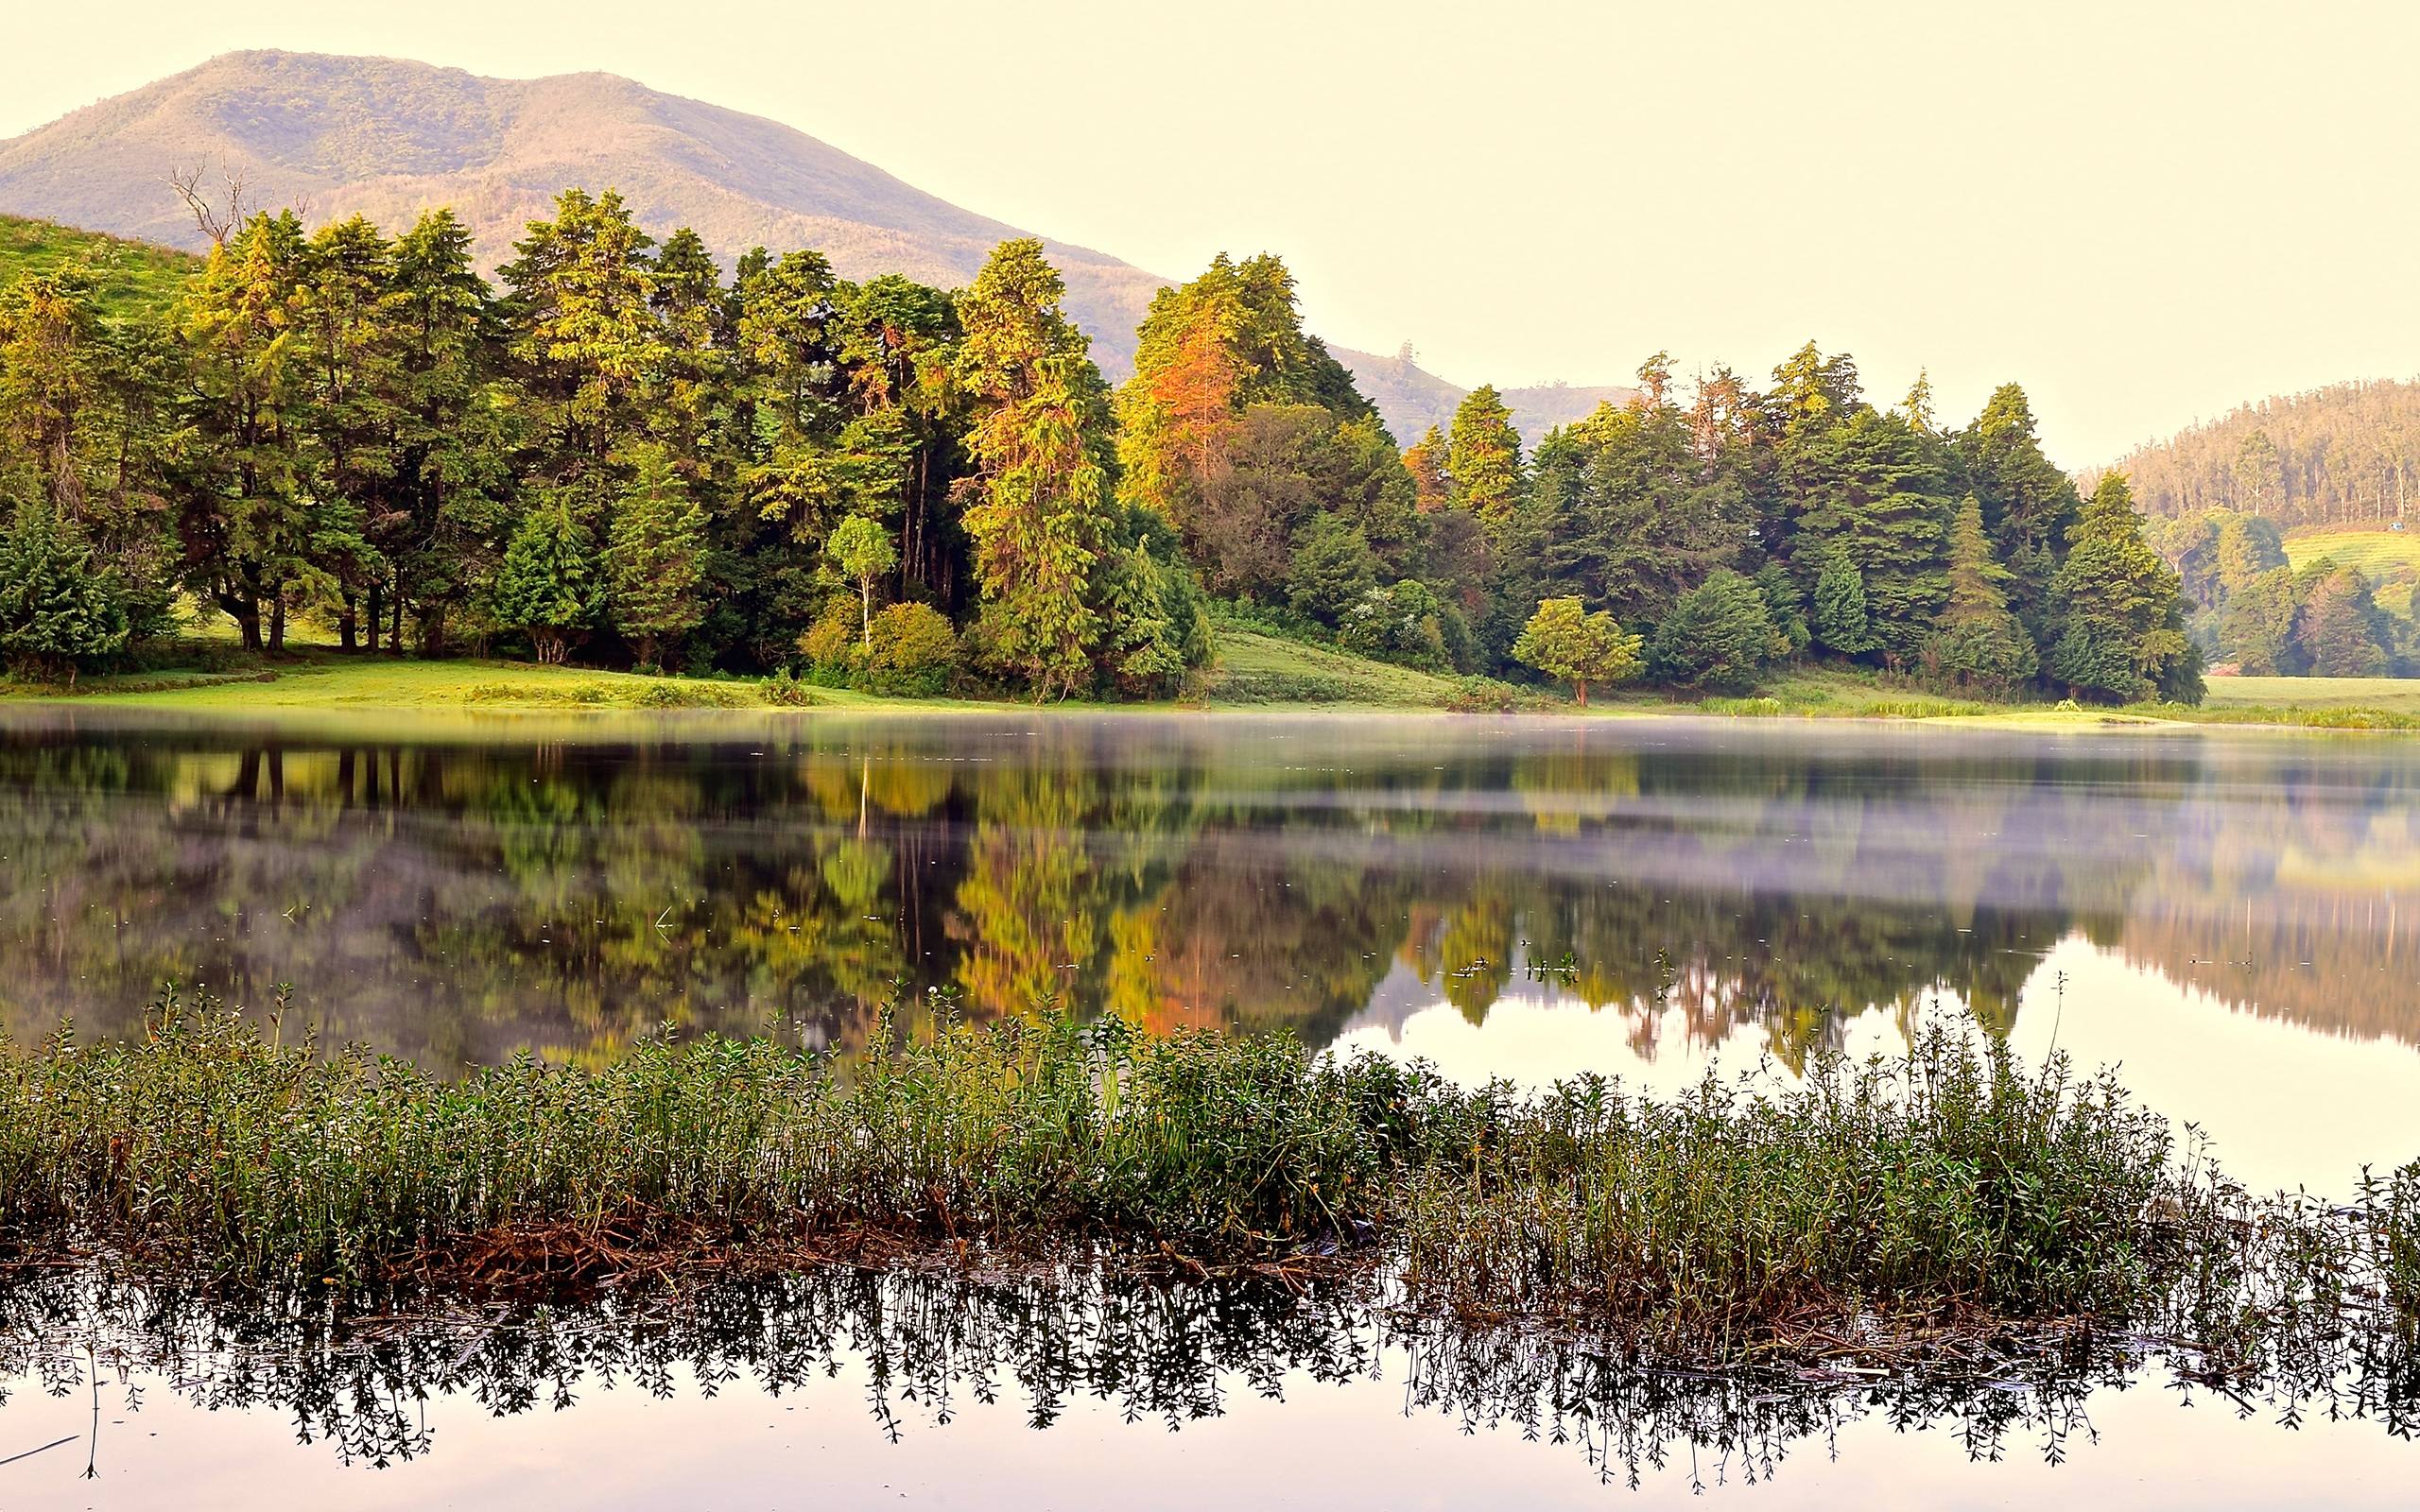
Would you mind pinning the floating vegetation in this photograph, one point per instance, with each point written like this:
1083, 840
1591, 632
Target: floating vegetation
1913, 1211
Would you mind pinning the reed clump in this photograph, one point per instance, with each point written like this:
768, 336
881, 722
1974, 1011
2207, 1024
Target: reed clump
1864, 1206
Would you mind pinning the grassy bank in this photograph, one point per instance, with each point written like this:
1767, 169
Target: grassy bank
1878, 1203
1251, 672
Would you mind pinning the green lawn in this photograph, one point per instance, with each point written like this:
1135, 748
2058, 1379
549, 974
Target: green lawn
1254, 669
133, 276
2393, 695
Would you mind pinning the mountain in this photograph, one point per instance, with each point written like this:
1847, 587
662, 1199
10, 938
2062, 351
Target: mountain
2346, 455
388, 138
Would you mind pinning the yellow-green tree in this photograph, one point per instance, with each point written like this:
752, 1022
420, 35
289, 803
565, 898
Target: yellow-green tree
1562, 640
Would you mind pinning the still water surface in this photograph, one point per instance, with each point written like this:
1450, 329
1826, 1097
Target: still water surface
2227, 916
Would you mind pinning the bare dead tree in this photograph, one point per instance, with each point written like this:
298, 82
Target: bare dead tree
218, 209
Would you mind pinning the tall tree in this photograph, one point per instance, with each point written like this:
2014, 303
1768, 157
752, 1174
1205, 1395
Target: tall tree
2028, 503
1979, 642
1483, 458
654, 558
1037, 507
2121, 608
245, 507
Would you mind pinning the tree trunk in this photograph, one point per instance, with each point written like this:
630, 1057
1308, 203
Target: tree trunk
865, 590
247, 616
348, 625
1581, 684
277, 626
376, 612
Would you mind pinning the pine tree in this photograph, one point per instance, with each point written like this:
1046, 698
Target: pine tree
1483, 458
2028, 503
450, 520
1716, 636
1039, 507
56, 614
1332, 568
1980, 644
2121, 608
344, 311
246, 515
654, 558
547, 585
1838, 622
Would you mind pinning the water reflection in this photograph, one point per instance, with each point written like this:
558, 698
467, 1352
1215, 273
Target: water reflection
455, 902
908, 1355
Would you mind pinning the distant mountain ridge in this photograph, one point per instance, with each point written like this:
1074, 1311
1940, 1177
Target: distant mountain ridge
389, 137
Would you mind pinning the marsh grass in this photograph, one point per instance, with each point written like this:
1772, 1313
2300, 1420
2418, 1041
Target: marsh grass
1949, 1190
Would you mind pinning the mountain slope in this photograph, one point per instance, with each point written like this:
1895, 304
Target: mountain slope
2346, 455
389, 138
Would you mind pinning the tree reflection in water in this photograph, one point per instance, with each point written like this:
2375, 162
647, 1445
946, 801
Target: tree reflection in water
925, 1344
455, 902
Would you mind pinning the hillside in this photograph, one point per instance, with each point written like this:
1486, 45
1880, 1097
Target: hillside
2390, 558
2346, 455
389, 137
132, 275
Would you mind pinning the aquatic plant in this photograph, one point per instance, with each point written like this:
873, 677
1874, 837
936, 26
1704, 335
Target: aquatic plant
1869, 1209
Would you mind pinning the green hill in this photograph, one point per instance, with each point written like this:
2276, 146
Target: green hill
2390, 558
134, 276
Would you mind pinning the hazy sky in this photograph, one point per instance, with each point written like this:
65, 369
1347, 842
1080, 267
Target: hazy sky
2145, 213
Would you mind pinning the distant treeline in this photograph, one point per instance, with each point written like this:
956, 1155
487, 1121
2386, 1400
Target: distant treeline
2348, 454
623, 451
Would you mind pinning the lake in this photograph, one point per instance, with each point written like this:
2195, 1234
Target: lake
2225, 916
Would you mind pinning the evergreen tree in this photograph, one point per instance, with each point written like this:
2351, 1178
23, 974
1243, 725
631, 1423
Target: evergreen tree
2341, 630
1839, 622
246, 515
1718, 636
1483, 459
1980, 644
1786, 606
1332, 569
56, 614
654, 558
449, 520
2120, 609
2028, 503
547, 585
1039, 507
586, 338
344, 314
2257, 630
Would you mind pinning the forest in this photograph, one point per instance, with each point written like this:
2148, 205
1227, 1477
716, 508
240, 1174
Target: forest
618, 453
2348, 454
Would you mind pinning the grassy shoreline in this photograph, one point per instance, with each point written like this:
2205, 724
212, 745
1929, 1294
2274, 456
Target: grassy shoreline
1255, 674
1871, 1211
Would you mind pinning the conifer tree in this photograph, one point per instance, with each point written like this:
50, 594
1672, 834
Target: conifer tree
56, 614
1840, 623
1980, 644
654, 556
1039, 508
1483, 458
2120, 609
547, 585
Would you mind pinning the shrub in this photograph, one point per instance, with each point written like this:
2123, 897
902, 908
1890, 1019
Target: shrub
832, 643
915, 651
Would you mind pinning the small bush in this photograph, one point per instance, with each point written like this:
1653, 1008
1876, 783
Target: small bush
835, 642
783, 691
915, 651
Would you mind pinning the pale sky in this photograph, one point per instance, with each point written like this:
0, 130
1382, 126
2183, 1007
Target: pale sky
2144, 212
